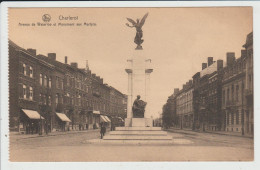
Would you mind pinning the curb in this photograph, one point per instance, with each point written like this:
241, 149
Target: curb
218, 133
58, 134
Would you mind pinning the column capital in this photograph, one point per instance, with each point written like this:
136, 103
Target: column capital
129, 70
148, 70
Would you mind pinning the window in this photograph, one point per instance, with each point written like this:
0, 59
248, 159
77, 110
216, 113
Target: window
44, 99
31, 71
57, 82
61, 99
79, 100
31, 93
237, 117
49, 100
62, 84
49, 82
56, 99
227, 94
232, 118
227, 118
237, 92
24, 69
232, 95
24, 91
41, 79
45, 81
223, 96
68, 81
40, 98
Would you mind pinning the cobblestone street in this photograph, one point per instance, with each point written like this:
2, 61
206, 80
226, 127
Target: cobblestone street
187, 146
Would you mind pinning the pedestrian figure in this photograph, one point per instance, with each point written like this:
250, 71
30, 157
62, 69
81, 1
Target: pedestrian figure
102, 130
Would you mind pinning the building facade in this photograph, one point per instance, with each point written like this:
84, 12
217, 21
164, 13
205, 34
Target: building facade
233, 93
222, 97
249, 86
47, 95
184, 106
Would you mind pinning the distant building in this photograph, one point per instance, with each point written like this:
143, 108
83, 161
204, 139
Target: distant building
207, 96
184, 106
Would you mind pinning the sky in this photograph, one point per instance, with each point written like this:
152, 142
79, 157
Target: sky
177, 40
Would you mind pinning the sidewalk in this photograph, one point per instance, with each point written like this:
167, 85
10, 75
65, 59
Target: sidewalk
17, 135
190, 131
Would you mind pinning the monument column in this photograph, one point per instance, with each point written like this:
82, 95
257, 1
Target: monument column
130, 88
148, 71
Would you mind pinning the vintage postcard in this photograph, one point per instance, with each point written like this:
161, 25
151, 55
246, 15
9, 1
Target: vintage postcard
131, 84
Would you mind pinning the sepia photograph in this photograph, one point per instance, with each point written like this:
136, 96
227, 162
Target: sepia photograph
131, 84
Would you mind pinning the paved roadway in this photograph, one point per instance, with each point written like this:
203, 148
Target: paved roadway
187, 146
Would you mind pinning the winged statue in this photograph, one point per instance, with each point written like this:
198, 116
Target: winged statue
139, 33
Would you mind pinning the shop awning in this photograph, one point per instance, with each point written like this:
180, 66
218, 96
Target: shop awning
63, 117
103, 118
96, 112
108, 120
32, 114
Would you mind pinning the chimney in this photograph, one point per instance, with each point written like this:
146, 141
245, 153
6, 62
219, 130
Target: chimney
66, 60
183, 86
243, 53
32, 51
176, 90
210, 61
75, 65
230, 58
219, 64
204, 65
87, 67
190, 82
52, 56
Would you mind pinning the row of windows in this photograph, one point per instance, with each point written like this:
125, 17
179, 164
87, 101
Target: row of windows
78, 83
27, 92
27, 70
59, 82
184, 98
231, 94
45, 81
232, 117
45, 99
186, 108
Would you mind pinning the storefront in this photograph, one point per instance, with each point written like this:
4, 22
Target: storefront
31, 122
104, 119
93, 119
63, 121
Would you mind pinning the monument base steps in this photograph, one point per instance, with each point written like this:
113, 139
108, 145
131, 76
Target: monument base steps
138, 131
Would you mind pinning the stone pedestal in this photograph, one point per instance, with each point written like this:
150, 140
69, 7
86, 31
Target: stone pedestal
139, 122
139, 70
